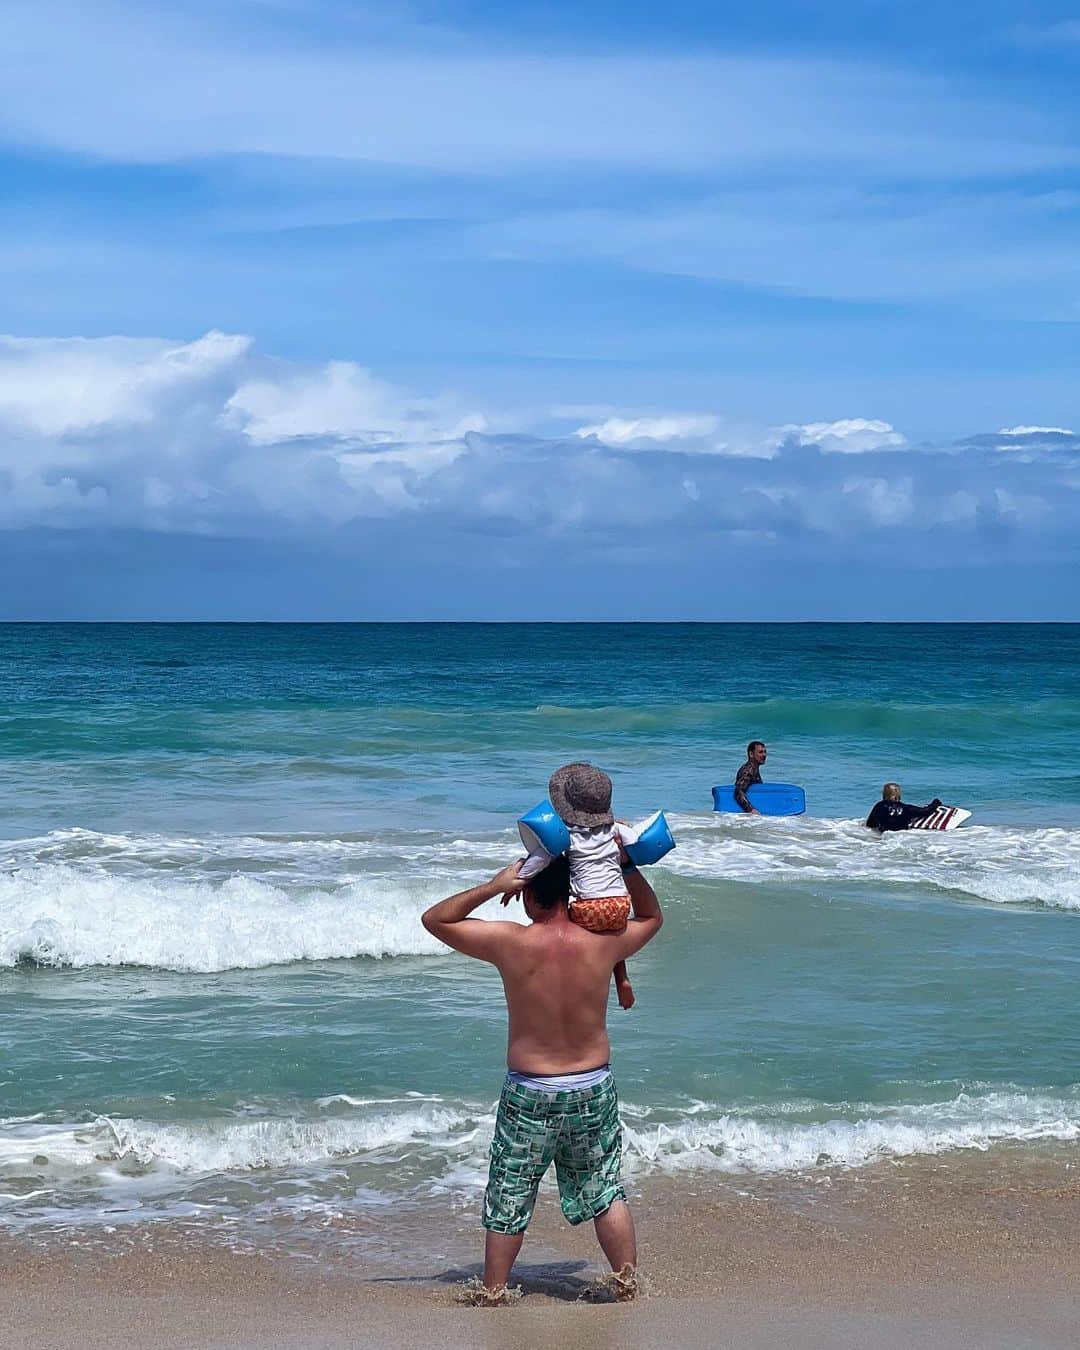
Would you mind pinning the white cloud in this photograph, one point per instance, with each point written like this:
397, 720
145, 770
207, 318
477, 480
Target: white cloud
849, 436
1027, 443
635, 432
207, 436
883, 502
211, 437
682, 433
1021, 508
56, 386
1036, 431
341, 400
704, 433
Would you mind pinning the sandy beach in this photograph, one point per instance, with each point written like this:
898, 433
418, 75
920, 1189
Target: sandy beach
956, 1251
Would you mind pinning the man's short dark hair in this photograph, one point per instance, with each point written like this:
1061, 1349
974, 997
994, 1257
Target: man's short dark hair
753, 746
551, 886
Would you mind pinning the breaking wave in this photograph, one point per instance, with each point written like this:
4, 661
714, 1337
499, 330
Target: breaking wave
1000, 865
77, 898
447, 1140
61, 915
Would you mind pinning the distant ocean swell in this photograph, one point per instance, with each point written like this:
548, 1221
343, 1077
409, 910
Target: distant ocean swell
379, 732
974, 720
77, 898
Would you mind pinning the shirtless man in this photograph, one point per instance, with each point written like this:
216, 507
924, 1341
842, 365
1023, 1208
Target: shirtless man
558, 1103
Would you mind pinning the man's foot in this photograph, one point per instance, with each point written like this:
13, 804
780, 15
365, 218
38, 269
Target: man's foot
624, 1284
619, 1286
475, 1294
625, 991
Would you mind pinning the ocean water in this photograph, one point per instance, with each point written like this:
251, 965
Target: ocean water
215, 842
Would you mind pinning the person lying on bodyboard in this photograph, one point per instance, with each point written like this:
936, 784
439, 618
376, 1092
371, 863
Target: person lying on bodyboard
892, 814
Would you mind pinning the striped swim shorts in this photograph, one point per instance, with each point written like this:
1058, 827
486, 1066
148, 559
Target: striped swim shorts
578, 1130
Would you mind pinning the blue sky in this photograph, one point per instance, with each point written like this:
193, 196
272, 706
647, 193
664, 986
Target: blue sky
340, 311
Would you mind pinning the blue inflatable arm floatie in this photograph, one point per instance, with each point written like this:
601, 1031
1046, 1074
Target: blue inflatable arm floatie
654, 840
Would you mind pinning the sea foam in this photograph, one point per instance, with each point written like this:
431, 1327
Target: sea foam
447, 1140
209, 1146
767, 1142
63, 915
999, 865
78, 898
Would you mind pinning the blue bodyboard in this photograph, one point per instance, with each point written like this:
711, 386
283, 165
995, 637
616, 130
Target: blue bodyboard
771, 799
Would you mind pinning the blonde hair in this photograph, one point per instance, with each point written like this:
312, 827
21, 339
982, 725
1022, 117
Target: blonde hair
890, 792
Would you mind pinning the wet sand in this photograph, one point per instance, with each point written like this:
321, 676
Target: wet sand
963, 1251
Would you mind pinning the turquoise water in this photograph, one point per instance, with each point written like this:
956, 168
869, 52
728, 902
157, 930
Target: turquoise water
216, 842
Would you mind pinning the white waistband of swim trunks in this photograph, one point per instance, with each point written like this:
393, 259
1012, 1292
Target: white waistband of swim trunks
560, 1082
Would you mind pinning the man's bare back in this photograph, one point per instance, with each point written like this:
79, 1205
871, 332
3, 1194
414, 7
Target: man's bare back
555, 974
556, 977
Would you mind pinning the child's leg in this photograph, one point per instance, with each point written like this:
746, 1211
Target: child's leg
608, 914
623, 987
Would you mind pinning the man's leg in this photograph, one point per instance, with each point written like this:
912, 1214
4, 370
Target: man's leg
521, 1152
615, 1233
500, 1253
587, 1161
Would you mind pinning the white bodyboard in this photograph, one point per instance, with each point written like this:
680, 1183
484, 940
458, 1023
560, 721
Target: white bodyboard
944, 818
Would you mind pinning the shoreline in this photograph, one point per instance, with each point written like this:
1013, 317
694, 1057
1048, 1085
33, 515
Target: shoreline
949, 1251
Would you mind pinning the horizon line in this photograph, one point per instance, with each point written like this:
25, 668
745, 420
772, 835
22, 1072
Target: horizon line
538, 623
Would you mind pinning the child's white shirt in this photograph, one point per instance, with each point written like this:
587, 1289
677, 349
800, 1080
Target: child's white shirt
594, 863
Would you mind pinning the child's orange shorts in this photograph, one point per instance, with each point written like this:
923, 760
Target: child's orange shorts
604, 914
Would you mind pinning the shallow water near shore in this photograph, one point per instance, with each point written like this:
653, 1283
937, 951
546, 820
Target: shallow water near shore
217, 840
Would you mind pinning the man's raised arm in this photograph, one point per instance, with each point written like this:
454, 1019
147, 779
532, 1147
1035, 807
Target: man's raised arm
449, 920
648, 917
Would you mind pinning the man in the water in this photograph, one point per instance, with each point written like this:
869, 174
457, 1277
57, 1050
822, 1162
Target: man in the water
892, 814
558, 1102
749, 774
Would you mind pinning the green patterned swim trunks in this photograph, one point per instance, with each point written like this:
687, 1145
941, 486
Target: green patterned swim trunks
578, 1130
